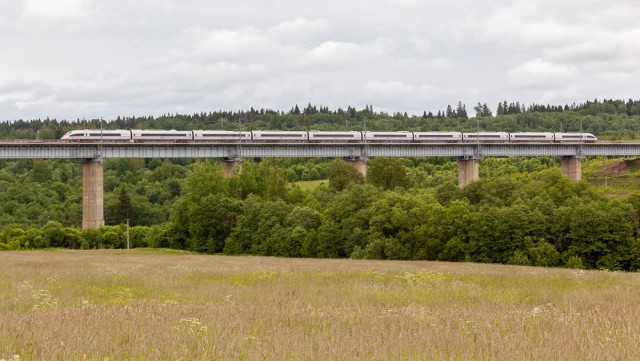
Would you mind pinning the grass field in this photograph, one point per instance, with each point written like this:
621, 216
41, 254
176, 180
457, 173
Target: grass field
311, 185
147, 305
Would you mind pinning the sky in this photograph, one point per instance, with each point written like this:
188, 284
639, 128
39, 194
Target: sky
88, 59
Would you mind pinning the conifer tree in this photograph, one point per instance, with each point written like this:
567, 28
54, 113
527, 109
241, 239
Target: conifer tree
124, 207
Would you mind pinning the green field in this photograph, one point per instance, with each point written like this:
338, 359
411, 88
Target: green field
311, 185
148, 305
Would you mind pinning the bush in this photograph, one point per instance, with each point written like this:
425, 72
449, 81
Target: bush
544, 254
519, 258
574, 262
454, 251
381, 248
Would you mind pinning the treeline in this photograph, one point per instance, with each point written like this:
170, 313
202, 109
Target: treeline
608, 119
539, 218
514, 217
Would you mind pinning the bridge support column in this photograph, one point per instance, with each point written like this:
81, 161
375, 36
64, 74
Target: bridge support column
231, 167
360, 165
468, 171
92, 194
571, 168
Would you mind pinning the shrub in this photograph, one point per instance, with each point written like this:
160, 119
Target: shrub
519, 258
544, 254
574, 262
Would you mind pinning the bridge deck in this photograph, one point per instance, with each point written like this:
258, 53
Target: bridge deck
58, 149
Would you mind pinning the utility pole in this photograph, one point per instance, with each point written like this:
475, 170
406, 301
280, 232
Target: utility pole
127, 232
100, 146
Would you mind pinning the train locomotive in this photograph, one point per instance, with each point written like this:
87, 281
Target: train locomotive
316, 136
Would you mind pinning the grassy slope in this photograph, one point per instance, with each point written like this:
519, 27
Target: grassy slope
616, 177
145, 305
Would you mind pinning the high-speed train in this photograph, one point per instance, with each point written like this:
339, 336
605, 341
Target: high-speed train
317, 136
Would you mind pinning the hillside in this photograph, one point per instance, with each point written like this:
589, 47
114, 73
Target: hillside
617, 177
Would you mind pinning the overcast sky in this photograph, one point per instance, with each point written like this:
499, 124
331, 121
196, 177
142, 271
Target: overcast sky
70, 59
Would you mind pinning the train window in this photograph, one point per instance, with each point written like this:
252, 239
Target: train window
263, 135
484, 136
164, 135
110, 134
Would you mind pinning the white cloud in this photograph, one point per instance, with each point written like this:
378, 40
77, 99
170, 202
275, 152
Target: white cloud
300, 29
540, 73
395, 95
67, 13
230, 44
336, 53
24, 94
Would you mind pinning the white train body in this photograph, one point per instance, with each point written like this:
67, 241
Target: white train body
388, 137
138, 135
92, 135
534, 137
279, 136
315, 136
322, 136
575, 137
486, 137
220, 136
437, 137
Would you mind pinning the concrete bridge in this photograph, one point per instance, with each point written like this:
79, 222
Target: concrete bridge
468, 154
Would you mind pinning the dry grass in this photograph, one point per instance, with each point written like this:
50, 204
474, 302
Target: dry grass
117, 305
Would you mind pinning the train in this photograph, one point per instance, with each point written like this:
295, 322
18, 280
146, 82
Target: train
317, 136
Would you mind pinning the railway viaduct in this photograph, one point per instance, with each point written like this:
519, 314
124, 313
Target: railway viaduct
232, 154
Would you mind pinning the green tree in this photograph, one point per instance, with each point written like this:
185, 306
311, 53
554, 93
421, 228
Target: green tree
123, 210
210, 223
600, 233
341, 174
387, 173
276, 185
454, 251
261, 226
544, 254
202, 180
381, 248
112, 237
53, 234
41, 171
329, 241
73, 238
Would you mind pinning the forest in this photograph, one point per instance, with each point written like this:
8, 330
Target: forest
521, 211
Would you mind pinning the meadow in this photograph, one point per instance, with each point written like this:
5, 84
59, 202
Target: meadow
161, 305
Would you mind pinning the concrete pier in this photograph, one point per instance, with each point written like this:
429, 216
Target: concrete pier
92, 194
360, 165
468, 171
571, 168
231, 167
